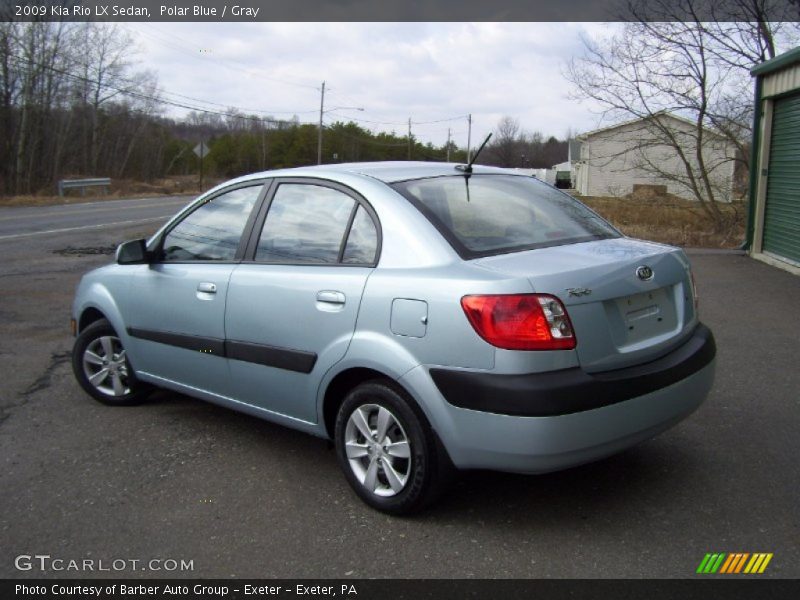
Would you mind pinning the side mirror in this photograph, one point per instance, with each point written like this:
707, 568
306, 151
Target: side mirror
133, 253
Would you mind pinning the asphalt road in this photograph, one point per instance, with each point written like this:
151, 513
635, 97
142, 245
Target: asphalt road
181, 479
24, 222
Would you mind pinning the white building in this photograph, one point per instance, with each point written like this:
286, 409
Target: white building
610, 161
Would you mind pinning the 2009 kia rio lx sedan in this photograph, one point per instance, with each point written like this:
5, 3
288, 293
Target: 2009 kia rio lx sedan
421, 315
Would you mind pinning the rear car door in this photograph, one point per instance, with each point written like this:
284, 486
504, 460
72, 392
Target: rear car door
177, 308
292, 308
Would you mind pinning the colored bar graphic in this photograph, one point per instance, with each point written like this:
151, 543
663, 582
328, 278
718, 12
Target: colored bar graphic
765, 563
726, 566
741, 562
703, 563
734, 563
718, 563
731, 564
752, 564
711, 563
724, 563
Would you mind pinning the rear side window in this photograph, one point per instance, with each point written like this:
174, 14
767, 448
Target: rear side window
362, 243
494, 214
305, 224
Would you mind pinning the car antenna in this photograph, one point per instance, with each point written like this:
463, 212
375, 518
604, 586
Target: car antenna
468, 167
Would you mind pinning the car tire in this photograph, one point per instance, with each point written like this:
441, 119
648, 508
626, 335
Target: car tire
102, 368
402, 468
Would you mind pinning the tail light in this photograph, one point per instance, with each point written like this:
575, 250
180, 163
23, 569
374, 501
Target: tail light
520, 321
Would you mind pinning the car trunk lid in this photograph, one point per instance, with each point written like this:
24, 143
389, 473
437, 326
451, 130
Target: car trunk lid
629, 301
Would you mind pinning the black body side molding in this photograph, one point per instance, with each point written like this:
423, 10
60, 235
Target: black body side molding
270, 356
572, 390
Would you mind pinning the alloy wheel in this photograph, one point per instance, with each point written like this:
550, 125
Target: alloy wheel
378, 450
105, 366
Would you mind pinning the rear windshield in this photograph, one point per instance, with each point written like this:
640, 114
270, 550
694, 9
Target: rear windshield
494, 214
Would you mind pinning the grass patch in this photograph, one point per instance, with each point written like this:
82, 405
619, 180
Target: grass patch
120, 188
672, 220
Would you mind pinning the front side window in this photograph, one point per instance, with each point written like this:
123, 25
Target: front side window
213, 230
493, 214
305, 224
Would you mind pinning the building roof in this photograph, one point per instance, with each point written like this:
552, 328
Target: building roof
662, 113
776, 64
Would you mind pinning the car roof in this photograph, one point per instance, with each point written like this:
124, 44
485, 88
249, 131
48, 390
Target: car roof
387, 171
391, 171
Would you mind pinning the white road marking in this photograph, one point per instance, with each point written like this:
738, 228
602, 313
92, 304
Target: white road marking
67, 213
64, 230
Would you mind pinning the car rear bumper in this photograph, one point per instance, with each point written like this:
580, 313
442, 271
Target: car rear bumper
572, 390
557, 440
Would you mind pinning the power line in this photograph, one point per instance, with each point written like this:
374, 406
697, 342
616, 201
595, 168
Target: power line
177, 104
250, 110
333, 91
403, 123
362, 120
349, 99
186, 48
427, 134
155, 99
364, 140
458, 118
183, 96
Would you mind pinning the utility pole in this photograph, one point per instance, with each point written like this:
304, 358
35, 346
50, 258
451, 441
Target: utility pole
263, 146
469, 138
321, 111
448, 144
409, 138
200, 151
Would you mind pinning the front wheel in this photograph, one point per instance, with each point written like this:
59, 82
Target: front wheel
101, 366
387, 451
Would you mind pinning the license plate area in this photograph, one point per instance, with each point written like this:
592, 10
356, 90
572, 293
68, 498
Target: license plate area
640, 317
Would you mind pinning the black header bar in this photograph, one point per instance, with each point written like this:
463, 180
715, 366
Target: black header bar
707, 588
387, 10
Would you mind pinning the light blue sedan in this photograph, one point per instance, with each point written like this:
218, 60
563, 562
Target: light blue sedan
424, 316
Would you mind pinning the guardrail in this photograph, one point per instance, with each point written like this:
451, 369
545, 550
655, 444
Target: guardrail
82, 184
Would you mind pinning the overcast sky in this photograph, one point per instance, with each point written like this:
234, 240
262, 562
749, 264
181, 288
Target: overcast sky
426, 71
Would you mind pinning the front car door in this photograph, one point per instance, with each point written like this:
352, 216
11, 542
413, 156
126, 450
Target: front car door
292, 307
177, 308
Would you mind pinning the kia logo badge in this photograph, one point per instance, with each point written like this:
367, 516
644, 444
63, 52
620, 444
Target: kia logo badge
644, 273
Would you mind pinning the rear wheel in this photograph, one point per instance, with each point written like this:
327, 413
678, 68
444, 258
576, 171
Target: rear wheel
101, 366
387, 451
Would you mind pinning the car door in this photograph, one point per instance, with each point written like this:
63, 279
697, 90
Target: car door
177, 308
292, 307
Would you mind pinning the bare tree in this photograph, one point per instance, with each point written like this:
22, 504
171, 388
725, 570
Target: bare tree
505, 144
138, 112
104, 62
667, 60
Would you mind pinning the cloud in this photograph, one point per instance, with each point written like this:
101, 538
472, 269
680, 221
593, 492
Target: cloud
426, 71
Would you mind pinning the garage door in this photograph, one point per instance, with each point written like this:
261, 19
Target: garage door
782, 209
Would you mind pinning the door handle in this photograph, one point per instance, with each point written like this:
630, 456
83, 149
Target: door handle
207, 288
330, 297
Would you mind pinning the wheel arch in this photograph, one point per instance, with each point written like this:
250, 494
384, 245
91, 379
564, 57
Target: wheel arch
347, 379
340, 386
95, 301
89, 315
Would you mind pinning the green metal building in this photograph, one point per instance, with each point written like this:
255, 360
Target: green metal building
773, 229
